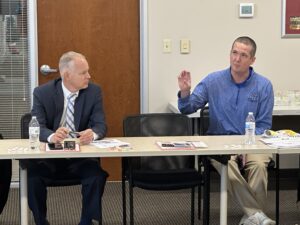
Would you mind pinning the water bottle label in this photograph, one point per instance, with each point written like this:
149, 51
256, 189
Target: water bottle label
34, 130
250, 125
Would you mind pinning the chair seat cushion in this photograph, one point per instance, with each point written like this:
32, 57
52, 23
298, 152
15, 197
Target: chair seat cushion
166, 180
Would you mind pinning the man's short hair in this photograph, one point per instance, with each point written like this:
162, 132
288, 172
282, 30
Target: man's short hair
66, 58
247, 41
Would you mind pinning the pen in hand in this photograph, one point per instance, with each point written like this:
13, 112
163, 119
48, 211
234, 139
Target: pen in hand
74, 133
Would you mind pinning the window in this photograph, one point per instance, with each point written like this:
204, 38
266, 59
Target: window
15, 94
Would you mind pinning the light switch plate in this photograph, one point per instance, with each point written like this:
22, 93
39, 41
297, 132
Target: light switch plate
246, 10
185, 46
167, 45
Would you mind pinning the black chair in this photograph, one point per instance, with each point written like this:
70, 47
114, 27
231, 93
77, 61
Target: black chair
64, 179
298, 190
5, 179
205, 162
158, 173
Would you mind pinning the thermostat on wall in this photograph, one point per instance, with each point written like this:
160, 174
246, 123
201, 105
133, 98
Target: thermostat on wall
246, 9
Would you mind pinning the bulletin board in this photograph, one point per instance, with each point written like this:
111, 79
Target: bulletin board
291, 18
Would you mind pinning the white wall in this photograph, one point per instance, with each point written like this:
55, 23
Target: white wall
212, 25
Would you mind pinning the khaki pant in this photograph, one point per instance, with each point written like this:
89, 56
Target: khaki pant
249, 191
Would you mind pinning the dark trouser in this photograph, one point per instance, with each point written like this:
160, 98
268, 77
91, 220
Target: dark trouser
298, 197
5, 178
42, 172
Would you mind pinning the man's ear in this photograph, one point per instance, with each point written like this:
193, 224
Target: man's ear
253, 60
66, 75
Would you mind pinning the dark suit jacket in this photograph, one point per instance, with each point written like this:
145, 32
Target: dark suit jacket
48, 106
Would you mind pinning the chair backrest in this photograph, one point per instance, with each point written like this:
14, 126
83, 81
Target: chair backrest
204, 120
159, 124
25, 120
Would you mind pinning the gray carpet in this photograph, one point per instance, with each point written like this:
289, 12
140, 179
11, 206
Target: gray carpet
151, 208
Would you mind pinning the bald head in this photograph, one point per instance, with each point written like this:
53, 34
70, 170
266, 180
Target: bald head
66, 60
74, 71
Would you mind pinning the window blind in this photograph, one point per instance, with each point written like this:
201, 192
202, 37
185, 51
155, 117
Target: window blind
14, 66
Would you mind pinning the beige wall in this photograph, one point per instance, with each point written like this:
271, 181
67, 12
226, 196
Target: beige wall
212, 25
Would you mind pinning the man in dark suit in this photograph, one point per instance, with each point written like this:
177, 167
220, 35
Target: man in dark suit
298, 192
5, 178
50, 106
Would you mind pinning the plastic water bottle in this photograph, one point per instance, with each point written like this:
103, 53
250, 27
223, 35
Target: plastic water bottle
34, 134
250, 129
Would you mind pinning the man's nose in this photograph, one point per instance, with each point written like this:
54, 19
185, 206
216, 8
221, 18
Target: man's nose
238, 57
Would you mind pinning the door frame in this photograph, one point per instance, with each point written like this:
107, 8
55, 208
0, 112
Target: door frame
33, 44
144, 61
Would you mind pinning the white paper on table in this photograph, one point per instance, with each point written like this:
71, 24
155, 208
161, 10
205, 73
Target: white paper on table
175, 145
181, 144
110, 143
286, 142
199, 144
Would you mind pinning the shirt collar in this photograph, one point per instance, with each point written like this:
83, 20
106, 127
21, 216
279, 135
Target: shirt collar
246, 81
67, 92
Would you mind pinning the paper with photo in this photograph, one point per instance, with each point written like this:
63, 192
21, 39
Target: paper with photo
110, 143
179, 145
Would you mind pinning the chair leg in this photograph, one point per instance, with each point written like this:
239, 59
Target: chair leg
131, 204
206, 191
124, 201
192, 205
100, 221
199, 201
277, 170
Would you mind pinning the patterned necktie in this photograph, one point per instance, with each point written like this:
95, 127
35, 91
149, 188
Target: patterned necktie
69, 121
